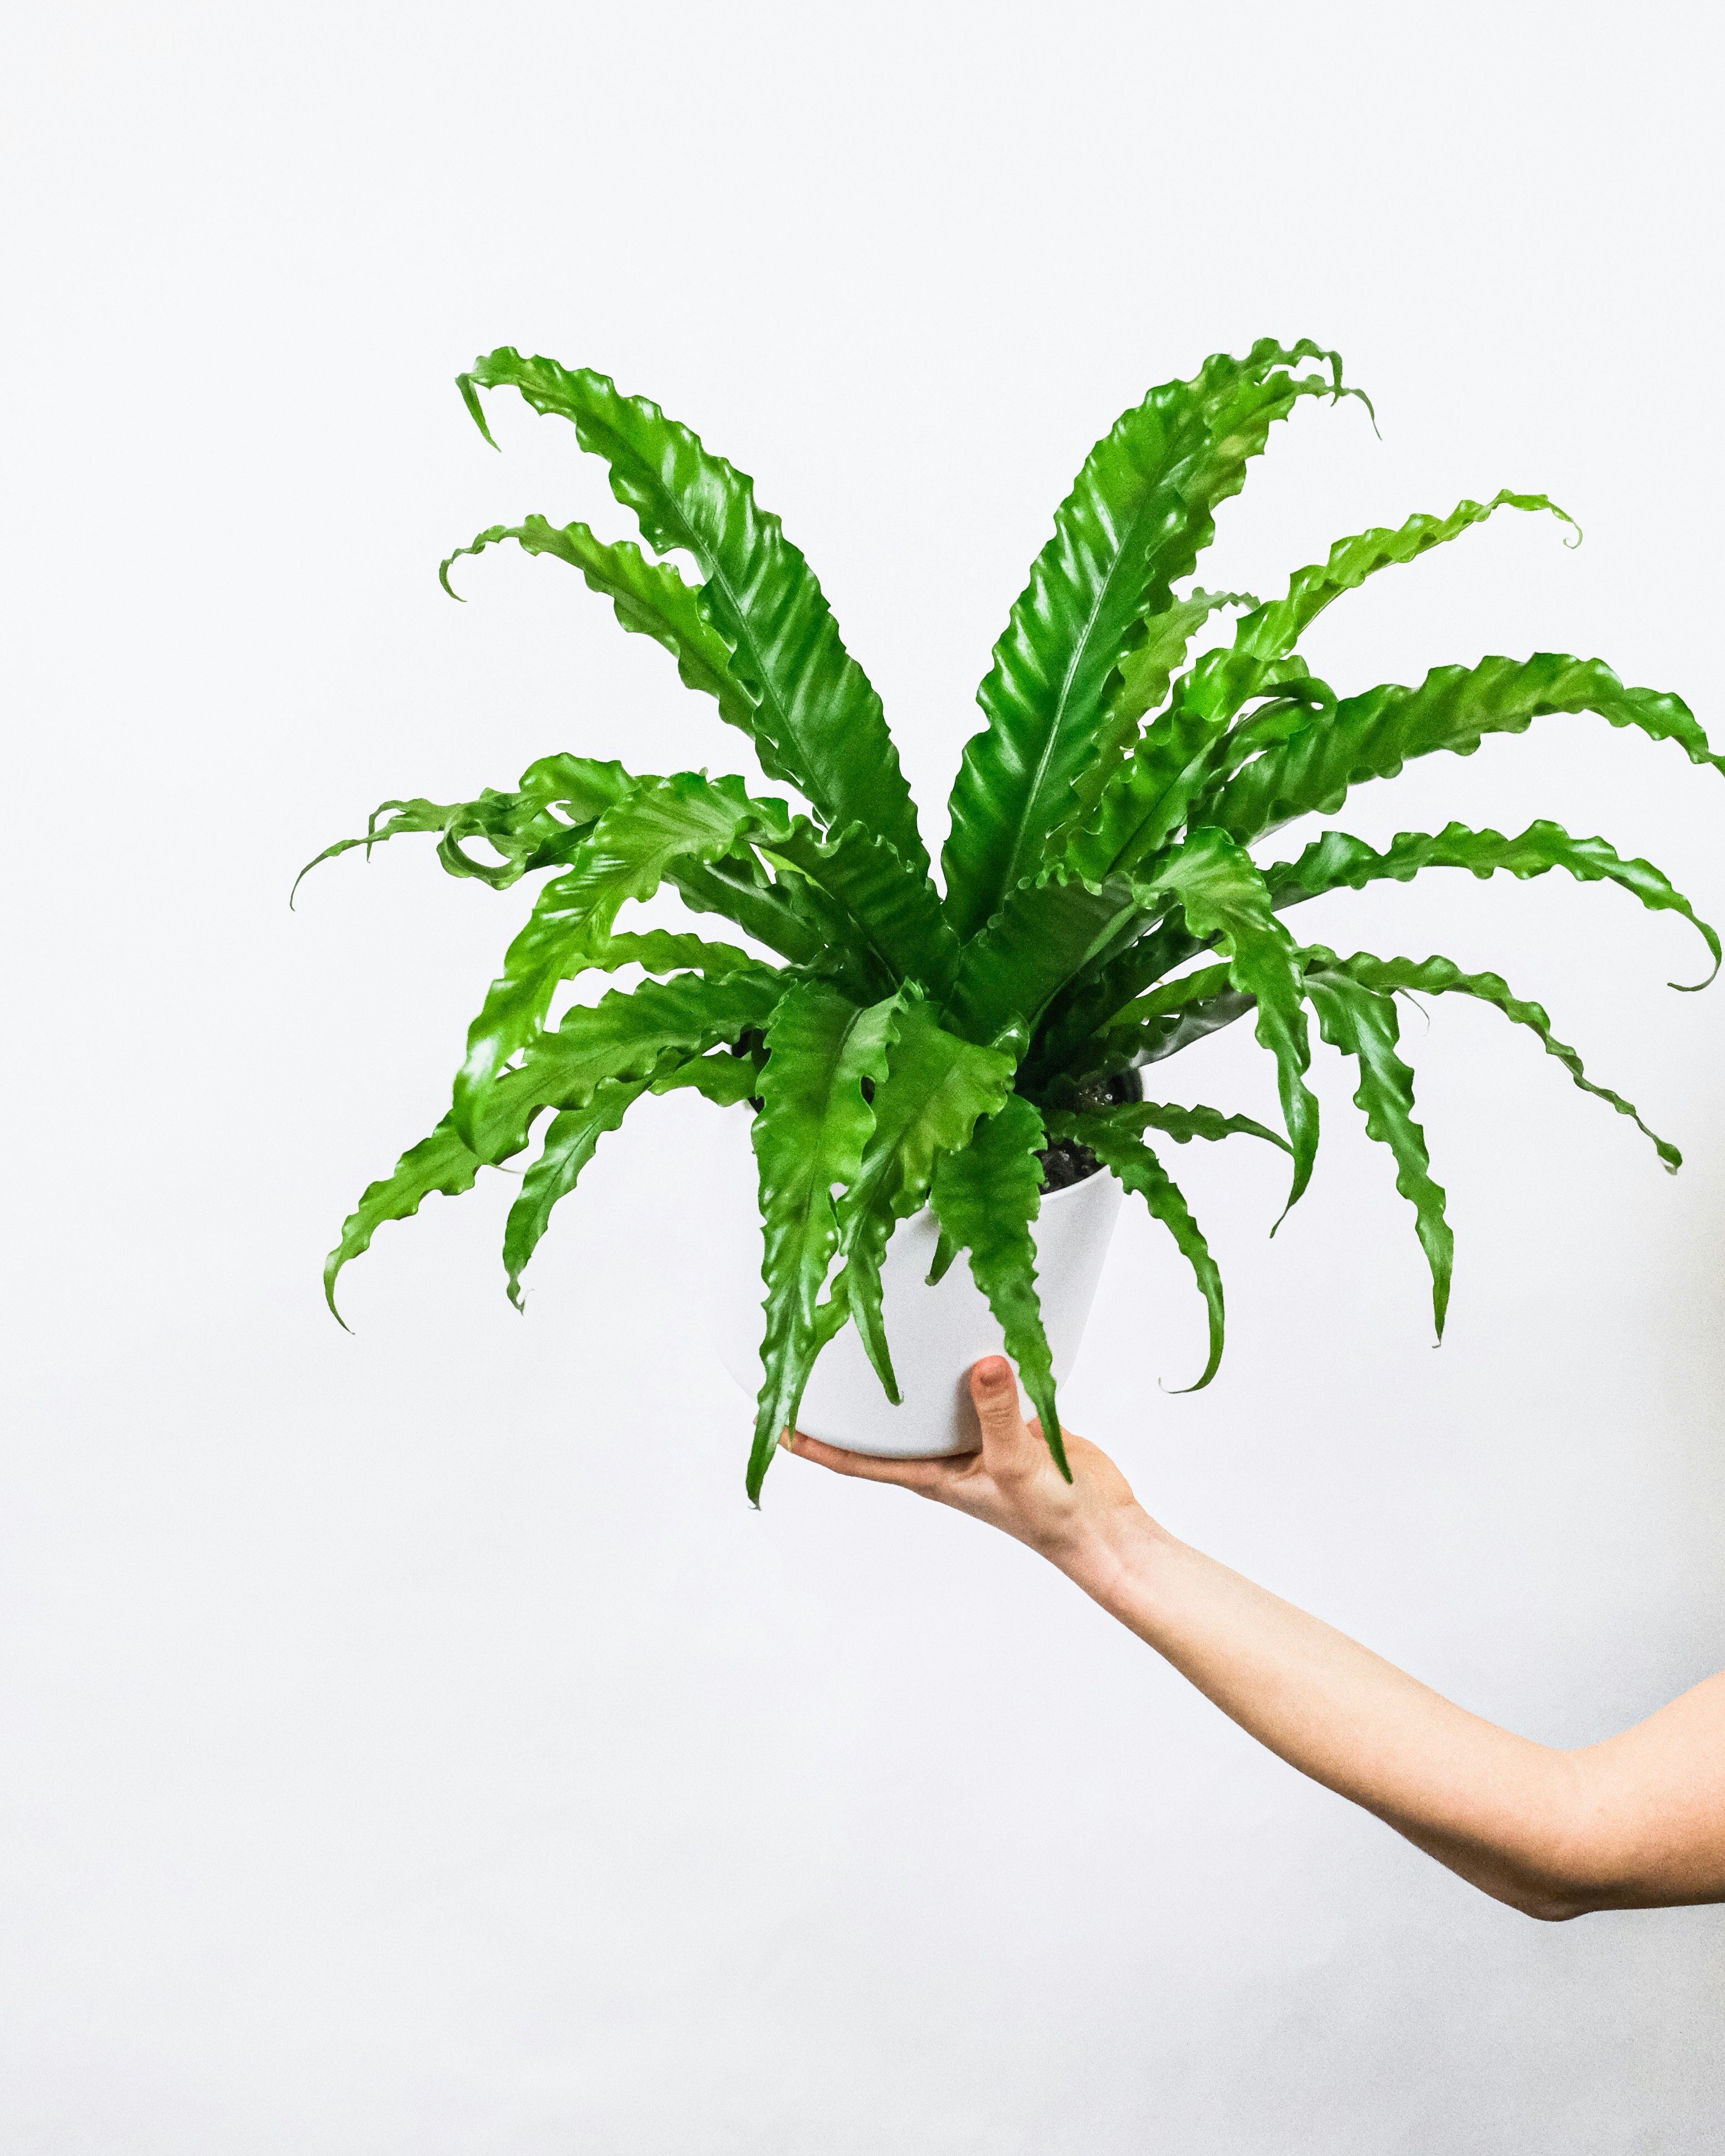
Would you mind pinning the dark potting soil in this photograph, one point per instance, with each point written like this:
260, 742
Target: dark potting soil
1067, 1163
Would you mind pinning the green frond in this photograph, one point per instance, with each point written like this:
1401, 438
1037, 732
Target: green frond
1147, 673
937, 1087
885, 906
623, 1035
809, 1137
1182, 1125
1362, 1022
1337, 860
1118, 1143
1184, 754
1455, 708
1134, 1044
1048, 934
1223, 894
985, 1197
649, 598
536, 826
1440, 976
739, 889
666, 951
570, 1144
727, 1079
818, 724
1139, 513
1099, 993
440, 1165
1273, 632
626, 855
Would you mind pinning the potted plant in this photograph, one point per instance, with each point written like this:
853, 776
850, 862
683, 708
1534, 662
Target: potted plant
964, 1058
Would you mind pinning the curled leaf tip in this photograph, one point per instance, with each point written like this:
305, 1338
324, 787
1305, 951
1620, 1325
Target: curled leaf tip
468, 384
1349, 390
443, 574
300, 879
1179, 1392
1709, 936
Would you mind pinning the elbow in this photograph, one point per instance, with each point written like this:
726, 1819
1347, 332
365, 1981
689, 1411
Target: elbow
1549, 1901
1570, 1870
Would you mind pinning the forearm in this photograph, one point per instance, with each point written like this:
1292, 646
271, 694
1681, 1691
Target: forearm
1632, 1823
1503, 1812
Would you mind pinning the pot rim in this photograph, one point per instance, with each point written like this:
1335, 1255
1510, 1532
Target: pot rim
1052, 1197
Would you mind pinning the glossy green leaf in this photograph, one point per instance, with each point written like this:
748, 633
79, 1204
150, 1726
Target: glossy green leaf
1147, 673
726, 1079
1133, 1045
626, 855
570, 1144
1361, 1022
740, 890
623, 1035
1096, 996
937, 1087
536, 826
1335, 860
649, 599
1139, 514
809, 1138
1176, 995
1116, 1141
1045, 936
1142, 685
883, 905
985, 1198
438, 1165
665, 951
1273, 630
1442, 976
1186, 751
1180, 1124
1455, 708
944, 1251
818, 723
1222, 893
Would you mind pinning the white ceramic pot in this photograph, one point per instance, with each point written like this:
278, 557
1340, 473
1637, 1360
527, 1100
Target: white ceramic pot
936, 1333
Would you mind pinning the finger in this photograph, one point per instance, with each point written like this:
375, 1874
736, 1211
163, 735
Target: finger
995, 1390
919, 1475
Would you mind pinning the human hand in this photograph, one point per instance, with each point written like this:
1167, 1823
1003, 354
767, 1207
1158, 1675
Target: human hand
1012, 1483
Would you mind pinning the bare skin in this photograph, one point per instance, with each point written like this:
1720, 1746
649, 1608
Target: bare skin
1637, 1822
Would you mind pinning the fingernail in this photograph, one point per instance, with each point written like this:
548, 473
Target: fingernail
993, 1372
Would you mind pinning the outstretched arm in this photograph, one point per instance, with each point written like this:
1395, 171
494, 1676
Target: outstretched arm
1636, 1822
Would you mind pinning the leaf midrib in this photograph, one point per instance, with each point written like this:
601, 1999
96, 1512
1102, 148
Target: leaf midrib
1080, 647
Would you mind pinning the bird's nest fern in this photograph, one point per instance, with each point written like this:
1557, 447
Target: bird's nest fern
1102, 908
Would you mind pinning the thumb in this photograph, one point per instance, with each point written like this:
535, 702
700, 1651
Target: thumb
995, 1390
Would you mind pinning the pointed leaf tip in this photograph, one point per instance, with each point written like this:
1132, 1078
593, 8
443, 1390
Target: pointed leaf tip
333, 1265
468, 384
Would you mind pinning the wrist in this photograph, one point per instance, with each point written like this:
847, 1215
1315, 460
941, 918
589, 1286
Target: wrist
1109, 1553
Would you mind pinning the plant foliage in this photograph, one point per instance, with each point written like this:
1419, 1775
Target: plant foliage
1102, 907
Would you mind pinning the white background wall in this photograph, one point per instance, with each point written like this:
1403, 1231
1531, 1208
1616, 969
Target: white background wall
412, 1744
